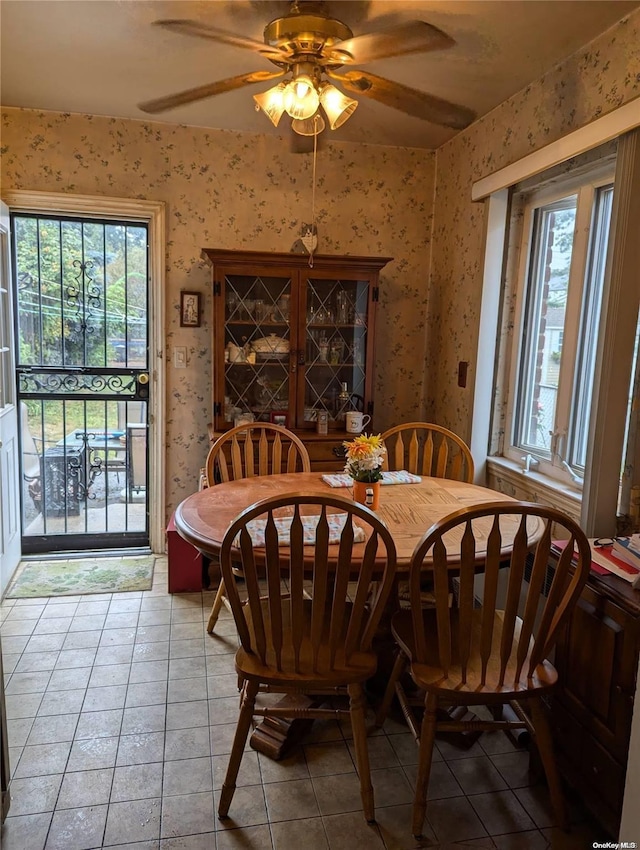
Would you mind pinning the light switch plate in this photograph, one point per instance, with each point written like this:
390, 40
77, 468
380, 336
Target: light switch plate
180, 357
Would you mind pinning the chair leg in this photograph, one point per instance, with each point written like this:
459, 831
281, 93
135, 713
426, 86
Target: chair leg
356, 708
425, 754
547, 756
389, 693
247, 706
215, 609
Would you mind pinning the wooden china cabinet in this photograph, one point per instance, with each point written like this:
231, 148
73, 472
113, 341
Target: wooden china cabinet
294, 343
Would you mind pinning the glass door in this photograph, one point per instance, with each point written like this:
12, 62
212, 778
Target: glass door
83, 384
336, 316
258, 349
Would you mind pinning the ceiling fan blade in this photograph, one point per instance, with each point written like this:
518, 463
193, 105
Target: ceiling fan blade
162, 104
186, 27
413, 102
409, 37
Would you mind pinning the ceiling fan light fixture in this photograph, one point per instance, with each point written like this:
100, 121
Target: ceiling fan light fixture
309, 126
300, 98
271, 102
337, 106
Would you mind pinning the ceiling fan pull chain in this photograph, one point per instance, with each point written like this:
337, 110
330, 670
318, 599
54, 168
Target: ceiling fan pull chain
313, 193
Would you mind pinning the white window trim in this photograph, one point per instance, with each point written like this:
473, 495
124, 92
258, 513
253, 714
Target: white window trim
537, 487
153, 214
586, 190
617, 334
616, 340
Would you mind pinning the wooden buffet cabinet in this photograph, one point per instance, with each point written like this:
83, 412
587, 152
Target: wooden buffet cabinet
597, 661
293, 343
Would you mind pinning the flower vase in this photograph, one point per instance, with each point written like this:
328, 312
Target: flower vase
367, 493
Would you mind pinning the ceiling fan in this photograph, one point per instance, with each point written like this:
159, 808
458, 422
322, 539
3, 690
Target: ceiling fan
308, 47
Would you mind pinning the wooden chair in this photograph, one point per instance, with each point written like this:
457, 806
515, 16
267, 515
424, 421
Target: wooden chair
431, 450
314, 639
427, 449
258, 448
491, 651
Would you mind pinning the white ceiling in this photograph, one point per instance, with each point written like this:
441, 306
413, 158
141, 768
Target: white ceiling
103, 56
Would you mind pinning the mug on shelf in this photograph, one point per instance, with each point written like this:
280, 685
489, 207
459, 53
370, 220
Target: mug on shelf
355, 421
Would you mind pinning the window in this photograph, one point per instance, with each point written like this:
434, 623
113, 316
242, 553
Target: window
559, 296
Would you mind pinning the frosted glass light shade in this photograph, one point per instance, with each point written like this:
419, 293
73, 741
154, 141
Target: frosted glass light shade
272, 103
300, 98
337, 106
309, 126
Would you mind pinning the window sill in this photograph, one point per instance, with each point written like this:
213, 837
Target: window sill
533, 486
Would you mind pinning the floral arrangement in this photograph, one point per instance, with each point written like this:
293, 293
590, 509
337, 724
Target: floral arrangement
364, 458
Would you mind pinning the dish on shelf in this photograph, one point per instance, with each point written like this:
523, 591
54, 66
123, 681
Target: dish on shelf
264, 356
271, 346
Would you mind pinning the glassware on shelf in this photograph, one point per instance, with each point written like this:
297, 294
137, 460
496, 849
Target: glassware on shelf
342, 308
336, 352
236, 353
262, 311
323, 315
323, 348
358, 351
283, 308
232, 305
343, 402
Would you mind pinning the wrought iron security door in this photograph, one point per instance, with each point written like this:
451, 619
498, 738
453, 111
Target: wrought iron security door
83, 383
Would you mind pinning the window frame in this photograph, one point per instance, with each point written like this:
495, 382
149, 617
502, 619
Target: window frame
585, 187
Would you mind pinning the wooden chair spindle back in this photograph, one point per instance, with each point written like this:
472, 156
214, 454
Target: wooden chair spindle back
531, 605
338, 625
256, 448
427, 449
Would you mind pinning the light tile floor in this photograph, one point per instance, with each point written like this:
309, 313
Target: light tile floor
121, 711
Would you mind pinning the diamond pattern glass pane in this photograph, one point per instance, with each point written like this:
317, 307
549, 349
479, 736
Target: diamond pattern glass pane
335, 358
257, 342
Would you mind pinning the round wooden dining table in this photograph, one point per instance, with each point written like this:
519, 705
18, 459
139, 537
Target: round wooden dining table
408, 510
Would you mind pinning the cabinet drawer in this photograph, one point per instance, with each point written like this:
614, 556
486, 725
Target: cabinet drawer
568, 733
603, 773
321, 453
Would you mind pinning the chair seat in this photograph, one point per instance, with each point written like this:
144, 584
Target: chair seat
327, 673
431, 677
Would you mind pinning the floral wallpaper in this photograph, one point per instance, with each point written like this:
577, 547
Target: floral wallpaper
239, 191
590, 83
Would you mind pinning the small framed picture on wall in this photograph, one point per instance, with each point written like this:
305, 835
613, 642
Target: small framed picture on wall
189, 309
279, 417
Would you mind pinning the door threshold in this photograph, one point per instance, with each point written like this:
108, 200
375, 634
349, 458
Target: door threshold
82, 553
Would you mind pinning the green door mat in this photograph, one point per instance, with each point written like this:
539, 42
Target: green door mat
81, 575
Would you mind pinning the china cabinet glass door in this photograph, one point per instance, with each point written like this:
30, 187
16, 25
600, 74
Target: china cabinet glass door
294, 346
335, 321
257, 349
